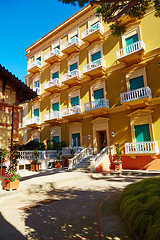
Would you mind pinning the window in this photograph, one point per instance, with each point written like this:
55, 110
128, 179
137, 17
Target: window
76, 140
55, 106
129, 43
36, 112
74, 66
36, 139
95, 25
99, 94
74, 38
58, 47
75, 101
95, 56
136, 83
55, 75
38, 60
56, 139
142, 133
36, 84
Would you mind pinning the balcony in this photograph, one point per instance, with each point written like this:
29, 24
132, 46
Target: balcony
74, 112
96, 67
139, 96
34, 66
72, 77
53, 84
71, 45
53, 117
141, 148
98, 106
37, 90
33, 122
94, 32
132, 52
53, 56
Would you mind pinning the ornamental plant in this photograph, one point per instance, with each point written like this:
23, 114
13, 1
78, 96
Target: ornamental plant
11, 176
118, 155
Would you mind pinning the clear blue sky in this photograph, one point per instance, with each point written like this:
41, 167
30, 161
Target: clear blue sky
22, 24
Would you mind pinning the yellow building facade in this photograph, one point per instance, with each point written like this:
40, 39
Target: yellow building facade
96, 90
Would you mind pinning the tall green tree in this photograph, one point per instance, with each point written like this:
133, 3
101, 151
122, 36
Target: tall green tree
112, 10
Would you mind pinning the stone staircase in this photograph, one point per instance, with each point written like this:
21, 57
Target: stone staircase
83, 165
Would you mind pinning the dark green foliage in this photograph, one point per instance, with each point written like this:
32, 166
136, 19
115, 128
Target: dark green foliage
32, 145
117, 28
140, 204
81, 3
53, 145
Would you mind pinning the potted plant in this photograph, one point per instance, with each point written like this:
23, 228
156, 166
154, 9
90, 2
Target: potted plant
11, 181
35, 164
4, 154
118, 162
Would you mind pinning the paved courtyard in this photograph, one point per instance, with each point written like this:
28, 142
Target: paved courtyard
66, 211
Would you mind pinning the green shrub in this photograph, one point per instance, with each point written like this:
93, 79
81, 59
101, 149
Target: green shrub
140, 205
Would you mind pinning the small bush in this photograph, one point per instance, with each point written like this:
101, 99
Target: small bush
140, 205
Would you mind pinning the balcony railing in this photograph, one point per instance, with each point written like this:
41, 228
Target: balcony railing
52, 82
68, 151
34, 120
36, 63
131, 49
141, 147
95, 64
71, 42
55, 51
29, 155
52, 115
72, 110
100, 103
37, 90
70, 75
90, 30
136, 94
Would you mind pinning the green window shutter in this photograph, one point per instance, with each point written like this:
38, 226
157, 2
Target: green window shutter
55, 75
36, 112
36, 140
55, 106
73, 66
95, 25
36, 84
95, 56
136, 83
131, 40
57, 47
56, 138
142, 133
76, 139
39, 58
99, 94
75, 101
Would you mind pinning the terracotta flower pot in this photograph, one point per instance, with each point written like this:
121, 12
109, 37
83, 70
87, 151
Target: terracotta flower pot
37, 167
58, 165
33, 167
11, 185
118, 166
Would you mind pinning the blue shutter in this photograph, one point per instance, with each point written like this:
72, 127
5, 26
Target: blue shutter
56, 138
99, 94
73, 66
95, 56
36, 140
76, 139
136, 83
75, 101
95, 25
142, 133
36, 84
55, 75
131, 40
57, 47
36, 112
39, 58
55, 106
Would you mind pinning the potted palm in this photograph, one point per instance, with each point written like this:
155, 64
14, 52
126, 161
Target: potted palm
118, 162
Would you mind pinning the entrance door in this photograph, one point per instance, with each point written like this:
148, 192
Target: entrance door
102, 140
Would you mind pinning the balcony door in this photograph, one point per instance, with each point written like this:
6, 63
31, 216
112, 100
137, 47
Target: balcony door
55, 106
36, 112
55, 75
74, 101
129, 43
136, 83
76, 140
56, 139
142, 133
98, 97
102, 140
95, 56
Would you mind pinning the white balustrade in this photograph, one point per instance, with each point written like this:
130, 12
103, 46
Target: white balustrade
136, 94
52, 115
141, 147
71, 42
55, 51
100, 103
95, 64
68, 151
72, 110
52, 82
108, 150
37, 90
92, 29
29, 155
80, 156
70, 75
137, 46
34, 120
34, 64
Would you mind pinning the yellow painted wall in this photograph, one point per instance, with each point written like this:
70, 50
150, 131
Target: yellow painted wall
45, 77
45, 134
44, 107
85, 93
83, 59
64, 39
156, 124
46, 50
64, 67
65, 133
87, 130
64, 99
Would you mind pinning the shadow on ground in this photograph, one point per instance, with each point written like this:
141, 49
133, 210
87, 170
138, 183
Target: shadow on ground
9, 232
72, 214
